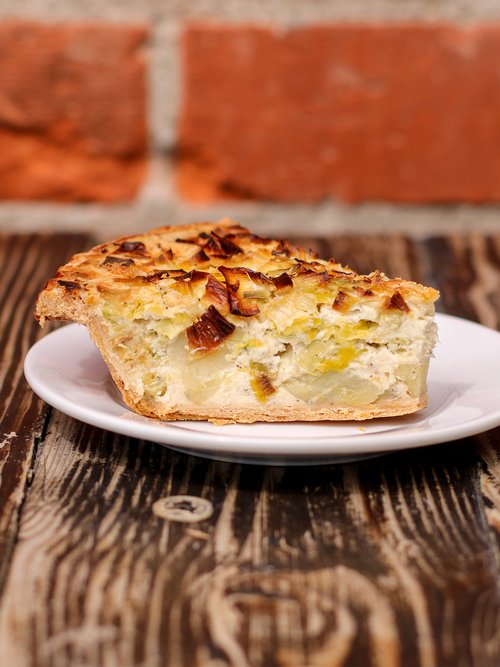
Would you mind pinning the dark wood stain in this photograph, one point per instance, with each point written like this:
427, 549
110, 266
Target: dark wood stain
387, 562
25, 263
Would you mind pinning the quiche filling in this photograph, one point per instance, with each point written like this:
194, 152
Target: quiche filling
222, 324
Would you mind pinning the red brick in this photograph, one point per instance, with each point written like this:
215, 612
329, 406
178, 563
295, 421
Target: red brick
407, 113
72, 111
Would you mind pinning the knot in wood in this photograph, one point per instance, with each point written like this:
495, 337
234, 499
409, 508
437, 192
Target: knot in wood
185, 509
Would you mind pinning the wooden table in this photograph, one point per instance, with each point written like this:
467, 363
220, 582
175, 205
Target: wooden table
392, 561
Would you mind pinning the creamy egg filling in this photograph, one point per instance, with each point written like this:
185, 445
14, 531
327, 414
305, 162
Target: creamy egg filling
295, 351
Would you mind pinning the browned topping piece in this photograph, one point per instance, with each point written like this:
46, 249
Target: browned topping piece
311, 276
282, 249
341, 302
69, 285
184, 282
193, 240
262, 387
396, 302
118, 260
241, 307
209, 331
175, 273
234, 276
217, 293
282, 281
165, 273
244, 286
196, 276
200, 256
220, 246
230, 247
166, 255
287, 249
136, 247
361, 291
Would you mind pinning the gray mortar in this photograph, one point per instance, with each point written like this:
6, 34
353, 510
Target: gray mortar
283, 12
328, 218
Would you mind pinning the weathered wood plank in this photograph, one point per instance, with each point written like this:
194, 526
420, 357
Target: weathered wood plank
387, 562
25, 264
381, 563
467, 270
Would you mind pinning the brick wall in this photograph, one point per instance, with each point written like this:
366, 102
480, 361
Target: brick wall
287, 115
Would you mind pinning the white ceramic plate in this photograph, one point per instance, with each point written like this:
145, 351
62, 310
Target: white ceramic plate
67, 371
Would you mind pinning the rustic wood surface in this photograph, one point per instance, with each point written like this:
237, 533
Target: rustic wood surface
387, 562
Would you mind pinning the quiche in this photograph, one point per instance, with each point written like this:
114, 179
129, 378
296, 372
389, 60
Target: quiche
212, 322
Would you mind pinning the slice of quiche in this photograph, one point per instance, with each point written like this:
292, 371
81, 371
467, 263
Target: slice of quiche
209, 321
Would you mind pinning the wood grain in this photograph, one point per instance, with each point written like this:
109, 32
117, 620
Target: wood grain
25, 264
388, 562
466, 268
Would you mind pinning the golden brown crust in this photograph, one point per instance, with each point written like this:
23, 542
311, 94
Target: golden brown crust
284, 414
130, 261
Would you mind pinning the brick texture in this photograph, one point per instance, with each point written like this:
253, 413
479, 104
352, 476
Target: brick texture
402, 113
72, 112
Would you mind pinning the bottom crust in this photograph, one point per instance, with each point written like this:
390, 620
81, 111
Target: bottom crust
283, 414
